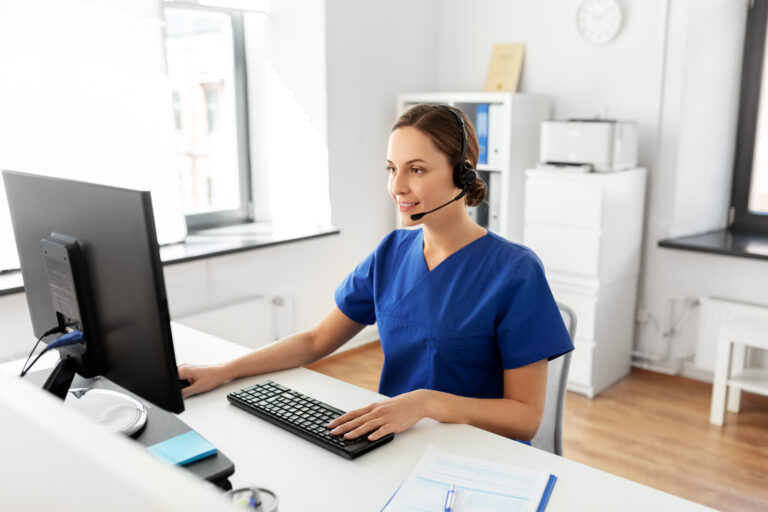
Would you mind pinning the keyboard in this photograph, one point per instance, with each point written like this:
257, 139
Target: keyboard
301, 415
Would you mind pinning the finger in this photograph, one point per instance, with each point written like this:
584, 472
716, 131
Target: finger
363, 429
190, 390
352, 424
382, 431
182, 371
348, 416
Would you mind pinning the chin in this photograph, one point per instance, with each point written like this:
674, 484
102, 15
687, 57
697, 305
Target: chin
406, 221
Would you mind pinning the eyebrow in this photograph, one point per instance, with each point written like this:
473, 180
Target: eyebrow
410, 161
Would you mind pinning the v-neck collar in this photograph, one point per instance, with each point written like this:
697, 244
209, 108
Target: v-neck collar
420, 248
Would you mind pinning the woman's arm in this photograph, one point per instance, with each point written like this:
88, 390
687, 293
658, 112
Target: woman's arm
517, 415
299, 349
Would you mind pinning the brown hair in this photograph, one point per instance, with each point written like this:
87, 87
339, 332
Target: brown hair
442, 127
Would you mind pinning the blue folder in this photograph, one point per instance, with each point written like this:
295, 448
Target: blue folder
481, 127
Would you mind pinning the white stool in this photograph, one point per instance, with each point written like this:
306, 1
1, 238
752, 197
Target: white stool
730, 374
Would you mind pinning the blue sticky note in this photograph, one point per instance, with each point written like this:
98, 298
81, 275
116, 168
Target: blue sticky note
183, 449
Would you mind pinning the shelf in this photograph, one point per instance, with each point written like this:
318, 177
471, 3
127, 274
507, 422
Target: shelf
486, 167
754, 380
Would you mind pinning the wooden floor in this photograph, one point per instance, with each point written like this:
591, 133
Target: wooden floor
650, 428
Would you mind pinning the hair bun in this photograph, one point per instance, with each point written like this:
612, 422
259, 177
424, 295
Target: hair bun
477, 192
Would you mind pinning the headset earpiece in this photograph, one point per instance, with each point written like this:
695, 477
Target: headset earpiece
469, 177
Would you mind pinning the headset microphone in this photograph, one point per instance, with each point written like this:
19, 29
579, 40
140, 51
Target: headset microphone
463, 173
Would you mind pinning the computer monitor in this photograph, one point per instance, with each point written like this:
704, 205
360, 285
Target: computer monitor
127, 333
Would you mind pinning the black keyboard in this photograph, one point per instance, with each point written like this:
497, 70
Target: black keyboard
301, 415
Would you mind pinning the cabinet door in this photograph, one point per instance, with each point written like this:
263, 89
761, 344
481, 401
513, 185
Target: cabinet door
580, 371
563, 200
562, 249
584, 306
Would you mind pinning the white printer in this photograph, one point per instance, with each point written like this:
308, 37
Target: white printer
602, 145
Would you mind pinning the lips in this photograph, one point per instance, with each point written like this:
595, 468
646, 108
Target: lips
406, 207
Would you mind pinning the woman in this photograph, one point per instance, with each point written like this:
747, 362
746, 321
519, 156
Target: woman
466, 319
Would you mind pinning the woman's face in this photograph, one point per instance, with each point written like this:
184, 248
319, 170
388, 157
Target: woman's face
420, 176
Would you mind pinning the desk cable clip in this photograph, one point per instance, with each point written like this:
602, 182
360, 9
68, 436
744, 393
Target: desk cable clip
254, 498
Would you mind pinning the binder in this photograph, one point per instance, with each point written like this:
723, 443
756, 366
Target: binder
481, 127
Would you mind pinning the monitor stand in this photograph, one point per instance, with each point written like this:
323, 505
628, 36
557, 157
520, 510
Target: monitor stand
117, 411
161, 426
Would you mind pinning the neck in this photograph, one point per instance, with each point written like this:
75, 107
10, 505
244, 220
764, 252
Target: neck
445, 234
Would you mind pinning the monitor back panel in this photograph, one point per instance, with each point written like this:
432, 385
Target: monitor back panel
117, 232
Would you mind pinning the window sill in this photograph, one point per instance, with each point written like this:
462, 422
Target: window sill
209, 243
725, 242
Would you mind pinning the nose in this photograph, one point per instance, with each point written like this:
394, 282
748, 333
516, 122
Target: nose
398, 183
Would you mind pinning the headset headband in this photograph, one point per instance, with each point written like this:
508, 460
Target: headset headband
458, 169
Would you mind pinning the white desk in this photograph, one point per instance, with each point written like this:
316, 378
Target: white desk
309, 478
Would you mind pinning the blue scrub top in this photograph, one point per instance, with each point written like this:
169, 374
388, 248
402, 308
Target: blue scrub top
484, 309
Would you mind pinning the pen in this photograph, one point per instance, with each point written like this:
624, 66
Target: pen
449, 497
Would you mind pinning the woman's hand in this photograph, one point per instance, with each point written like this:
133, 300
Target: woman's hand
382, 418
201, 378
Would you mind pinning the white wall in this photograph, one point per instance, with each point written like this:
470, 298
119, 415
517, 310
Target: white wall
375, 51
288, 110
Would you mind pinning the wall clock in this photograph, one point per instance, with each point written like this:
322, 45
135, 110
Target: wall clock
599, 21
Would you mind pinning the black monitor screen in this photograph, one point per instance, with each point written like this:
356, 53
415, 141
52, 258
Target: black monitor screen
116, 231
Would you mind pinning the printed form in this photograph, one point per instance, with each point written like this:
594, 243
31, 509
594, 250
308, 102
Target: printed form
481, 486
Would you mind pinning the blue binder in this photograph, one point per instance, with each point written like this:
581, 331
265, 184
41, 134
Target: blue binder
481, 126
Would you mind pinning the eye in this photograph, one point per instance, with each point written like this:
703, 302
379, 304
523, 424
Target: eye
390, 169
417, 170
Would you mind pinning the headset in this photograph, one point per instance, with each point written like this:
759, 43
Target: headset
463, 173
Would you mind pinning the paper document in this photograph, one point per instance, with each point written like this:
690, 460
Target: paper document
481, 486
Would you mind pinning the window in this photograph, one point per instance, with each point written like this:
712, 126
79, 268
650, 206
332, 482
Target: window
205, 52
750, 177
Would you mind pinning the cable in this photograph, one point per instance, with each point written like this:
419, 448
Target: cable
62, 341
688, 304
46, 333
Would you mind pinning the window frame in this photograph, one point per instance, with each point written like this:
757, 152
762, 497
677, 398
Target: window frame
244, 213
741, 219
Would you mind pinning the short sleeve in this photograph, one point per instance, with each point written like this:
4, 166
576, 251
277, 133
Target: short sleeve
530, 327
354, 296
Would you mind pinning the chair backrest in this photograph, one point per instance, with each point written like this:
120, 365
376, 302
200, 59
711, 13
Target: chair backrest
550, 434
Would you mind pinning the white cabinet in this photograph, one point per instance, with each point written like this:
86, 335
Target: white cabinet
512, 147
587, 230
